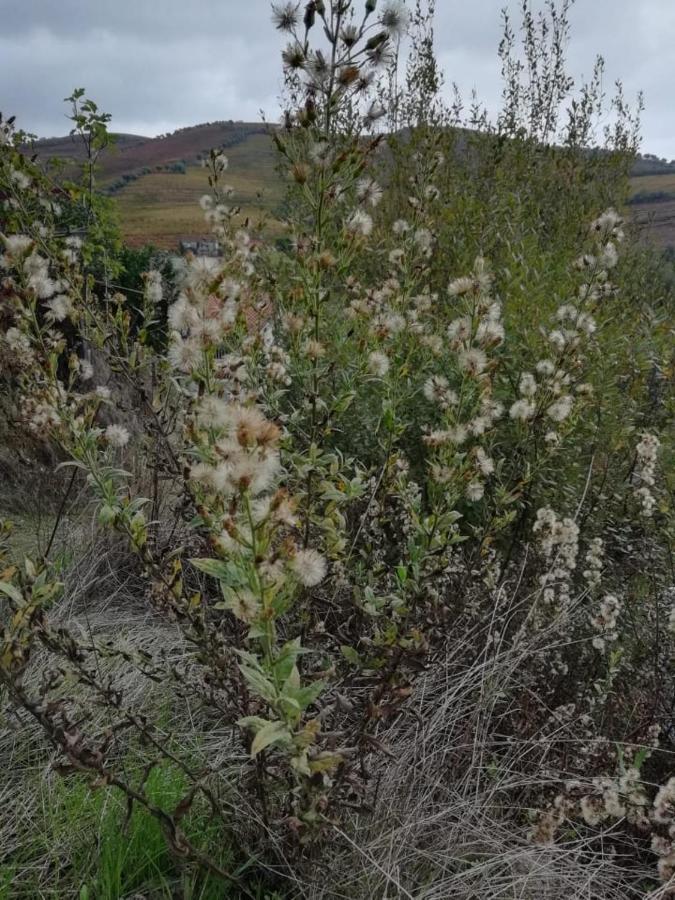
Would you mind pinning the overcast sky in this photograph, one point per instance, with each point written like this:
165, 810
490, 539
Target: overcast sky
157, 65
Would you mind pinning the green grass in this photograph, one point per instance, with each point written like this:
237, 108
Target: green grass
82, 846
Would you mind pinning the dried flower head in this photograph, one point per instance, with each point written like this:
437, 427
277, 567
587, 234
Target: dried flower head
116, 436
285, 16
309, 566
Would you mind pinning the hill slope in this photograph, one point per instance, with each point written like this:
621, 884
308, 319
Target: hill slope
158, 181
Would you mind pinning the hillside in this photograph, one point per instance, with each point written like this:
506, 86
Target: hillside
653, 201
132, 153
69, 148
158, 181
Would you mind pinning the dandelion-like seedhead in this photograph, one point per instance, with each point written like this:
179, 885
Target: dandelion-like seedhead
395, 18
117, 436
286, 16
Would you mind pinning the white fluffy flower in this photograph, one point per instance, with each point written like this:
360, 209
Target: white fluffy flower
460, 329
473, 361
20, 179
528, 385
221, 162
17, 341
484, 462
117, 435
369, 192
395, 18
545, 367
561, 409
153, 287
475, 491
424, 239
59, 308
522, 410
285, 16
378, 363
436, 390
360, 223
309, 567
184, 355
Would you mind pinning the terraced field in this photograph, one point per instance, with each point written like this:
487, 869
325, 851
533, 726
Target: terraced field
157, 182
655, 218
163, 207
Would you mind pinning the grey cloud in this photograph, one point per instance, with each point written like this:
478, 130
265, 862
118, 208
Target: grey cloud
160, 64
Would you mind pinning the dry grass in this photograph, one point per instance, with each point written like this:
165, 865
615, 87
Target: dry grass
452, 809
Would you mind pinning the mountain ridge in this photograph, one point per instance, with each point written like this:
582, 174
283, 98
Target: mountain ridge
158, 181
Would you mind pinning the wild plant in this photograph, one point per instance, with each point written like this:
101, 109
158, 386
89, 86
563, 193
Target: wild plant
353, 453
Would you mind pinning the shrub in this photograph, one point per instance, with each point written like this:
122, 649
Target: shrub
429, 435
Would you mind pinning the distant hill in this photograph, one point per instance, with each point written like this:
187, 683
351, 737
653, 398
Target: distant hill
132, 153
158, 181
71, 148
648, 164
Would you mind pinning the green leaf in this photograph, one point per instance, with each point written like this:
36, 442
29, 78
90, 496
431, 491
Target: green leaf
350, 655
305, 696
259, 683
71, 464
640, 757
216, 568
272, 733
253, 722
12, 591
226, 572
250, 659
402, 574
284, 663
107, 514
344, 402
292, 682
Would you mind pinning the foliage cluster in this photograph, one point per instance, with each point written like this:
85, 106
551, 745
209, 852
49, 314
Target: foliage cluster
431, 432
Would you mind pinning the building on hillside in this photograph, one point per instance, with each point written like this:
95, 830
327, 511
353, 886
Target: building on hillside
201, 248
